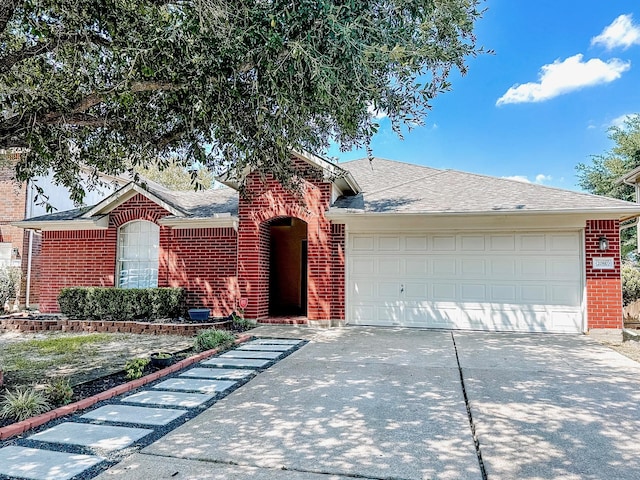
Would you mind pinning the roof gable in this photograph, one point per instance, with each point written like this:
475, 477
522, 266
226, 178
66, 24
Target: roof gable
127, 193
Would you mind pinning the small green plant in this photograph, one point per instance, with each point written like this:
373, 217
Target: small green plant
135, 367
208, 339
240, 323
59, 392
162, 355
22, 403
9, 284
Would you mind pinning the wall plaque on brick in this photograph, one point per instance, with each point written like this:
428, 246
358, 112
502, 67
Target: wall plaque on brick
603, 263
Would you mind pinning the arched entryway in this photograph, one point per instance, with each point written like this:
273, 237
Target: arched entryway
287, 267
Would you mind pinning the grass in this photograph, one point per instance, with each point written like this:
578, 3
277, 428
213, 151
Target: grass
27, 360
61, 345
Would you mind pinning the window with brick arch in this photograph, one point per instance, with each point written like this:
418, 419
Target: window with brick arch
138, 254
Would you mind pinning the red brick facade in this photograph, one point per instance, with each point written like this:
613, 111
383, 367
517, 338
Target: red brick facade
202, 260
604, 287
216, 266
270, 201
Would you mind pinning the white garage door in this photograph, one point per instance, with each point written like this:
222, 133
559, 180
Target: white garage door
482, 281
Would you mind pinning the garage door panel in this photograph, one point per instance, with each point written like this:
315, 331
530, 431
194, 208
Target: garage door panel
502, 243
363, 266
416, 291
566, 243
444, 291
533, 294
363, 243
473, 266
472, 243
389, 244
444, 266
502, 267
503, 293
491, 281
389, 266
533, 243
418, 266
564, 295
416, 243
444, 243
470, 292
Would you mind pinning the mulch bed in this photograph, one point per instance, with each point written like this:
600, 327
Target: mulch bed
99, 385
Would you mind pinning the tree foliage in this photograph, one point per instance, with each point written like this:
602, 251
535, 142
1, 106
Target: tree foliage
229, 84
601, 177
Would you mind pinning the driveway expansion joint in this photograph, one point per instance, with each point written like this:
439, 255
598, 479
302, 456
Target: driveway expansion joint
472, 425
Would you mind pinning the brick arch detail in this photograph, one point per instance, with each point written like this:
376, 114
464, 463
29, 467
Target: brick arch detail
270, 201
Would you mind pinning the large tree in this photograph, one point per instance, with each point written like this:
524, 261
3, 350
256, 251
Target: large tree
602, 175
226, 83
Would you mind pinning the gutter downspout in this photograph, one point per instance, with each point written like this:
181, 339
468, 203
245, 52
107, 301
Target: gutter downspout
28, 284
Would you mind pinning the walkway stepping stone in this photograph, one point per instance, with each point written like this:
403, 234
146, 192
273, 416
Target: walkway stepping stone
250, 354
105, 437
263, 347
218, 373
36, 464
276, 341
172, 399
135, 415
195, 385
236, 362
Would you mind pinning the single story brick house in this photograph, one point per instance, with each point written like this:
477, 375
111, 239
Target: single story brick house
363, 243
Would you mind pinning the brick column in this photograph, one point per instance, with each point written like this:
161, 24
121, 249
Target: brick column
604, 286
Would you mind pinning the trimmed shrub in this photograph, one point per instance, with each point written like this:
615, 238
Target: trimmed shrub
209, 339
100, 303
630, 283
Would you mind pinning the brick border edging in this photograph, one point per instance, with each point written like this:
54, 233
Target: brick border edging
33, 422
25, 325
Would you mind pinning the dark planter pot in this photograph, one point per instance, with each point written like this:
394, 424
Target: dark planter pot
199, 314
161, 362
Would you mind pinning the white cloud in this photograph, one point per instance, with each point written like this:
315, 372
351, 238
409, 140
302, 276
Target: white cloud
621, 33
377, 114
565, 76
540, 178
518, 178
619, 121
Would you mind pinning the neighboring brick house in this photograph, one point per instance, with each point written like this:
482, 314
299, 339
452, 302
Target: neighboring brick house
364, 243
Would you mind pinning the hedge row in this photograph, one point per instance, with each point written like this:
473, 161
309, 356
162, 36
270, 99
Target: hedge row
98, 303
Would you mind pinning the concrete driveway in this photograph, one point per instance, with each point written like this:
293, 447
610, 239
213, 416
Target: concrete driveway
383, 403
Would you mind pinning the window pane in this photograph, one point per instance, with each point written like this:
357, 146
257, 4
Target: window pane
138, 252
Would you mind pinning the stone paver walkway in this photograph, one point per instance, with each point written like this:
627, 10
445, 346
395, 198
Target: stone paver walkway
84, 444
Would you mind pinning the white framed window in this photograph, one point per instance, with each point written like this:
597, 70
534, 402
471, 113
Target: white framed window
138, 245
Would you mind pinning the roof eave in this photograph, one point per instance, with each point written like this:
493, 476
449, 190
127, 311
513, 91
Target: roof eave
94, 223
621, 214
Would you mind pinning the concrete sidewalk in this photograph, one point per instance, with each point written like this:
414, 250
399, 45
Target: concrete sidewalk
384, 403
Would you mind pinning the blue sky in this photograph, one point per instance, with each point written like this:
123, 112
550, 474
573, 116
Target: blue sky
562, 73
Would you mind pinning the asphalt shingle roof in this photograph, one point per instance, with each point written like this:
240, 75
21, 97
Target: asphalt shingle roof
396, 187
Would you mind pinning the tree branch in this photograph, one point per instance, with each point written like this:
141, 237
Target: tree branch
7, 8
